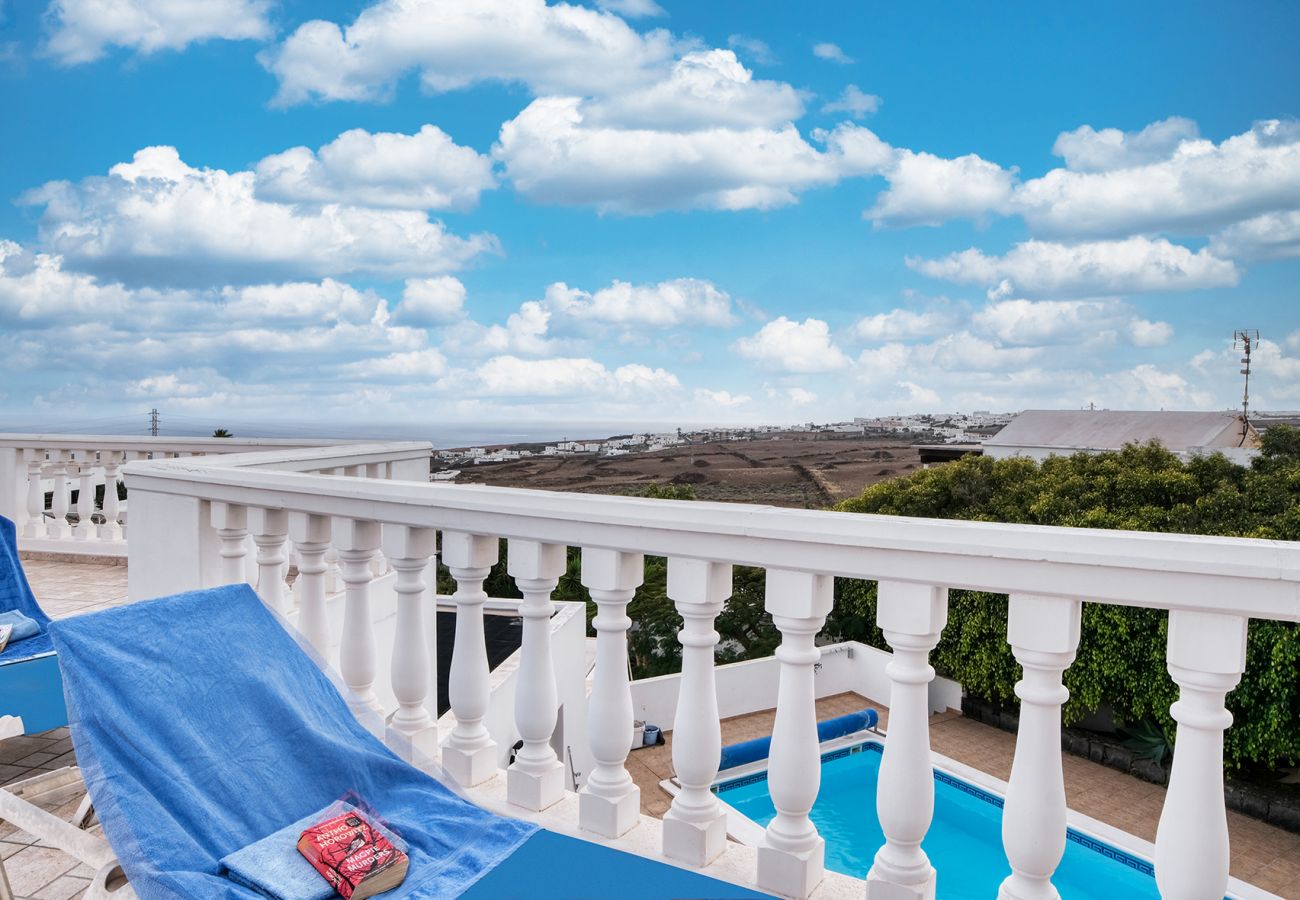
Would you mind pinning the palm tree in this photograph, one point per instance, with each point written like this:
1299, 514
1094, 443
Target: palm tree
222, 433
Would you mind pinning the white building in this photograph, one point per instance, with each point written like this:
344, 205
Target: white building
1040, 433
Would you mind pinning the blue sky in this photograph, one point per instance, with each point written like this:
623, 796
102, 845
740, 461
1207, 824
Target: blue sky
502, 214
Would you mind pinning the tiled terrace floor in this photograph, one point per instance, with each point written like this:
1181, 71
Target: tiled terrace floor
1261, 854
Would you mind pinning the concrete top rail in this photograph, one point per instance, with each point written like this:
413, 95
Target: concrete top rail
1240, 576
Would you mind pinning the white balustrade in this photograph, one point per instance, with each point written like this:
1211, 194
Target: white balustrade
84, 469
57, 527
111, 530
535, 780
412, 733
695, 827
912, 616
469, 754
35, 524
609, 804
791, 858
357, 541
311, 539
231, 523
1044, 634
1206, 656
270, 529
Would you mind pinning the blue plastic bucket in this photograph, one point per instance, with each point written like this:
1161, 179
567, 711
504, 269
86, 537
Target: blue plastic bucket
651, 735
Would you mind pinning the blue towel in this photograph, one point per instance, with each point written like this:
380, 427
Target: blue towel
16, 594
273, 866
211, 729
24, 626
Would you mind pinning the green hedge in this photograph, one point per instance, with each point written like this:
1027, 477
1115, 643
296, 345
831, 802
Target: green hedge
1121, 659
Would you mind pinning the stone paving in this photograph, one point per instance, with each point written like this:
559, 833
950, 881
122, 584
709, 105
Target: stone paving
1261, 854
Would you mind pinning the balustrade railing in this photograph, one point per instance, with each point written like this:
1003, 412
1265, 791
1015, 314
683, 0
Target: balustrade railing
191, 530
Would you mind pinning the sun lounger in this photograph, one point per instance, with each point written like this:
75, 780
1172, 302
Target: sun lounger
201, 727
30, 687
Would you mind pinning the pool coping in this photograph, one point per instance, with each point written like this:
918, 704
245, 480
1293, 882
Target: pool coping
1134, 851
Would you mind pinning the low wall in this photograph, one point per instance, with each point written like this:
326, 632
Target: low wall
750, 686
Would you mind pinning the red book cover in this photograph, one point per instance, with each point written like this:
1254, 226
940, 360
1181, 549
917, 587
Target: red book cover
352, 855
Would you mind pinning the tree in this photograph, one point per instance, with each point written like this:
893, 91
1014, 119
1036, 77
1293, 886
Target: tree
222, 433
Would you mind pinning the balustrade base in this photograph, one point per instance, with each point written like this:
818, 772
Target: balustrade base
791, 874
609, 817
419, 748
694, 843
533, 790
470, 767
879, 889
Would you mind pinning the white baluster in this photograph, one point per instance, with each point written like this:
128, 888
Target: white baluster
536, 778
270, 529
311, 538
357, 541
412, 734
84, 467
1044, 634
111, 530
35, 524
57, 527
912, 617
231, 523
1206, 656
609, 804
695, 828
792, 856
469, 753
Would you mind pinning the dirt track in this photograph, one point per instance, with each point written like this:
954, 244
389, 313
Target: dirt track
782, 472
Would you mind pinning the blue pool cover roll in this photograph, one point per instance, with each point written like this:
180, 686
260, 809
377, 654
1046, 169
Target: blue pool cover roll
752, 751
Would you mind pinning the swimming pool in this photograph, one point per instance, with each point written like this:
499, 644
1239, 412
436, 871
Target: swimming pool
964, 842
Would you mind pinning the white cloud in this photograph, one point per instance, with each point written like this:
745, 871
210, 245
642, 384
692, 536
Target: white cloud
303, 301
925, 189
800, 397
721, 398
560, 49
1200, 186
903, 323
82, 30
578, 378
412, 364
1088, 150
157, 218
831, 52
1046, 269
752, 48
792, 346
1146, 386
632, 9
1028, 322
1270, 236
431, 301
920, 397
854, 101
681, 301
425, 170
552, 155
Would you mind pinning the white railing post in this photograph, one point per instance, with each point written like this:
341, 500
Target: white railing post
469, 754
270, 529
912, 617
111, 530
357, 540
231, 523
35, 524
791, 858
84, 468
536, 778
57, 527
412, 733
609, 804
311, 538
1206, 656
1044, 634
695, 827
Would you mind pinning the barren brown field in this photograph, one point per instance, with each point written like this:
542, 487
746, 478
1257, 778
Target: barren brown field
803, 473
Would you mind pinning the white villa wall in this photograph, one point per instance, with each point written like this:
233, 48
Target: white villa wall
750, 686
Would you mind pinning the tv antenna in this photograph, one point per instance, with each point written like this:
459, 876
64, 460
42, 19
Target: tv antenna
1244, 340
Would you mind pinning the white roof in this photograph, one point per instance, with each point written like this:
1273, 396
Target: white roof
1108, 429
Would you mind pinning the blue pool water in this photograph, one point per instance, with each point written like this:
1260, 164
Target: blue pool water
964, 842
